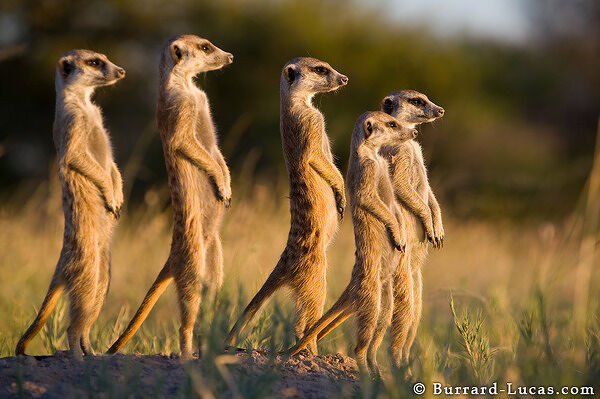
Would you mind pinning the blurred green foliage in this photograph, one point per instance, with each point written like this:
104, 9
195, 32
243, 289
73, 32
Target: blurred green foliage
520, 118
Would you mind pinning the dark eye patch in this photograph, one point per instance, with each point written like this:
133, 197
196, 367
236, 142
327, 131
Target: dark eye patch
207, 48
392, 124
417, 102
95, 62
321, 70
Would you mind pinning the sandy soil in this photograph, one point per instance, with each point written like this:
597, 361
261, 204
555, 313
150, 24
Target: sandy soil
251, 373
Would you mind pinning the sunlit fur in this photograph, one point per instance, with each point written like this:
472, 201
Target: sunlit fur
421, 211
92, 195
199, 180
316, 195
379, 235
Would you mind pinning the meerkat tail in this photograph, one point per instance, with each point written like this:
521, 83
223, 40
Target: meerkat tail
274, 281
54, 291
339, 320
158, 287
339, 309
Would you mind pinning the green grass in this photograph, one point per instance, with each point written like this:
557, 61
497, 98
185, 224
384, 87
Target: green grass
498, 299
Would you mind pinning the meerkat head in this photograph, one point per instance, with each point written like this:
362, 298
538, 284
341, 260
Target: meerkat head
189, 55
86, 69
310, 76
376, 129
411, 107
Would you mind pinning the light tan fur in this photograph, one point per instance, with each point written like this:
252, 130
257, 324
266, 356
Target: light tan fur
92, 195
421, 211
379, 235
316, 195
199, 180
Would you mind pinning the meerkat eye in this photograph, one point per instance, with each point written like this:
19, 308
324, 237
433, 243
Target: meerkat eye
321, 70
417, 102
392, 124
206, 48
95, 62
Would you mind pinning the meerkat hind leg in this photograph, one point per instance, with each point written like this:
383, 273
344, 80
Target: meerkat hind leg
367, 314
403, 314
214, 268
418, 306
81, 312
101, 292
189, 303
309, 311
385, 317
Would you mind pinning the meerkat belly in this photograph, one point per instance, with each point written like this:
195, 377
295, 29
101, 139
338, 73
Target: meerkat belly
194, 201
324, 204
86, 220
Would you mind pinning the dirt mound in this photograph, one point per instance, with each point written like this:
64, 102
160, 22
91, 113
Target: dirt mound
251, 373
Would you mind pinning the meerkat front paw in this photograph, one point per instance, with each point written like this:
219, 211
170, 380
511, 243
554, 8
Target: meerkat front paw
439, 235
119, 198
397, 242
111, 207
221, 192
227, 200
340, 202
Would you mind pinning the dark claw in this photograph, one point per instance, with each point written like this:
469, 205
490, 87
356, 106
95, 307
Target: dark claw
227, 202
341, 212
117, 213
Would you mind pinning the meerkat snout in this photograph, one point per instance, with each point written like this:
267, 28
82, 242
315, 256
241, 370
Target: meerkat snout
439, 112
343, 80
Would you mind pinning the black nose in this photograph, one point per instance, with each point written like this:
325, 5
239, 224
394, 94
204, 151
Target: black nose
230, 58
440, 112
120, 72
343, 79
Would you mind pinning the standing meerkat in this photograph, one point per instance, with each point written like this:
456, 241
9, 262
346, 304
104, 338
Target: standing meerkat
92, 195
316, 195
421, 211
419, 208
379, 235
199, 181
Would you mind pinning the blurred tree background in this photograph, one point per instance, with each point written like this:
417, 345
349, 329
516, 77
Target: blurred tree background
516, 142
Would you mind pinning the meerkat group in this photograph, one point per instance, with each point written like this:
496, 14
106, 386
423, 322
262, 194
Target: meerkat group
394, 211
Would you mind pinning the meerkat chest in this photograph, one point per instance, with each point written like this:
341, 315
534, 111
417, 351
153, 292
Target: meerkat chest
418, 172
205, 129
99, 146
98, 142
383, 182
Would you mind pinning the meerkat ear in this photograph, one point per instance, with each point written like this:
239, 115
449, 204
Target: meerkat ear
290, 74
368, 128
387, 105
65, 67
176, 52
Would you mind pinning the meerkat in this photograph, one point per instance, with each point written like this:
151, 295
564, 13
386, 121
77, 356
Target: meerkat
379, 235
92, 195
199, 180
317, 195
421, 211
416, 200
